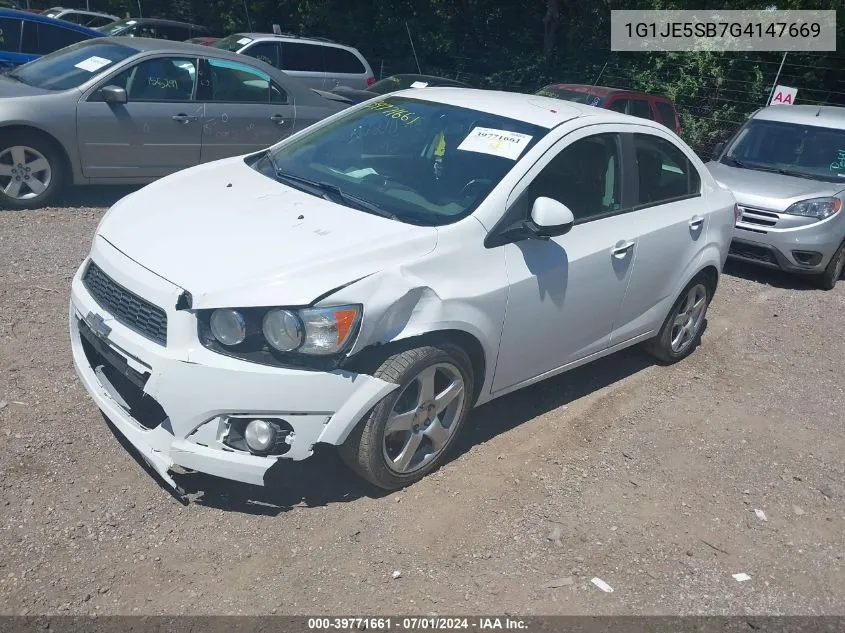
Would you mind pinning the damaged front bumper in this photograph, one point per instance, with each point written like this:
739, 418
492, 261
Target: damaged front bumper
176, 402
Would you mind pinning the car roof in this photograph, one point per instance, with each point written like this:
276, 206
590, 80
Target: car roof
543, 111
603, 91
81, 12
147, 44
292, 37
43, 19
824, 116
160, 21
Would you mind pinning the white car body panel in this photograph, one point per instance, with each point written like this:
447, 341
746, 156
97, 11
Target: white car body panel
232, 237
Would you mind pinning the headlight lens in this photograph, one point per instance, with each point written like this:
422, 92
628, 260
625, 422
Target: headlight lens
819, 208
261, 334
228, 326
283, 329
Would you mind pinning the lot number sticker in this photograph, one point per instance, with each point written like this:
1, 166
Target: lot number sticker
93, 64
485, 140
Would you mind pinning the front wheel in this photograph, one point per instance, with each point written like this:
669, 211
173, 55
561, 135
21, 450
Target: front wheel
31, 171
833, 272
682, 329
408, 433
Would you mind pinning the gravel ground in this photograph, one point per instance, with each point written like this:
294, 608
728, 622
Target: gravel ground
646, 477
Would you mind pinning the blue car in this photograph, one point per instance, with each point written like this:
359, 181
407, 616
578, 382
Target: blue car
26, 36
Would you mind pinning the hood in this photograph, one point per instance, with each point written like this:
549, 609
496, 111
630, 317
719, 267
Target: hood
768, 190
12, 88
233, 237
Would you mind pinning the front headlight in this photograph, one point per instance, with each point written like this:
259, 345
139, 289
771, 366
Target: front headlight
280, 336
819, 208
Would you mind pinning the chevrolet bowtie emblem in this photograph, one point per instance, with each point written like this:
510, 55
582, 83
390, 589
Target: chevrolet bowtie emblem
98, 325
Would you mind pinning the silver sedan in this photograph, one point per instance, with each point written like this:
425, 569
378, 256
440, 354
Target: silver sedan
131, 110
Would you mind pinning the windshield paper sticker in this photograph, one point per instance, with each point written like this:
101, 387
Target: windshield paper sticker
839, 163
131, 23
419, 84
92, 64
486, 140
244, 41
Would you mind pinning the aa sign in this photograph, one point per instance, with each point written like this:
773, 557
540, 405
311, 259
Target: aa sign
783, 95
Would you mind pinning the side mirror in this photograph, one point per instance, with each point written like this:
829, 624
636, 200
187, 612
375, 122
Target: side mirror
114, 95
717, 151
550, 218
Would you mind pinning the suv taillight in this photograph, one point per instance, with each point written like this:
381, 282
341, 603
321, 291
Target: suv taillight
371, 81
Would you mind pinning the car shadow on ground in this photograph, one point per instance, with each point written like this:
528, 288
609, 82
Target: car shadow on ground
769, 276
93, 196
323, 479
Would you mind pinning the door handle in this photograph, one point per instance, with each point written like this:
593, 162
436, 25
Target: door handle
183, 118
622, 248
696, 222
277, 119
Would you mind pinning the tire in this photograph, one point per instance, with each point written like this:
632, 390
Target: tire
661, 346
28, 186
386, 458
833, 273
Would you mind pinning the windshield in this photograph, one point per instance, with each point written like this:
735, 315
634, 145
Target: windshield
232, 43
118, 27
71, 66
808, 151
577, 96
425, 163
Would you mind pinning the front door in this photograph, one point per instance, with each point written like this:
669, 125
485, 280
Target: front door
564, 293
245, 110
158, 132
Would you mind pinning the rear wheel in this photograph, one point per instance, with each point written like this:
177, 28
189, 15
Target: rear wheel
833, 273
682, 329
31, 171
408, 433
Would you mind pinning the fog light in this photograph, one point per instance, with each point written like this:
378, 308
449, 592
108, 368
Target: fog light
260, 436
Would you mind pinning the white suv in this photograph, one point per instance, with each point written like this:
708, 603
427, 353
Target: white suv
368, 280
318, 62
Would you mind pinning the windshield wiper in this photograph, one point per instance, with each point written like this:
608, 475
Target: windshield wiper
734, 161
329, 190
796, 174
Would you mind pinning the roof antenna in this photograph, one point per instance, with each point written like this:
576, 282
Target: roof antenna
819, 112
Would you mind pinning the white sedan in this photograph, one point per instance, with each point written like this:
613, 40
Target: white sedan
369, 280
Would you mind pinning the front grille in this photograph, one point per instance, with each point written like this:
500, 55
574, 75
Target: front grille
758, 216
125, 306
750, 251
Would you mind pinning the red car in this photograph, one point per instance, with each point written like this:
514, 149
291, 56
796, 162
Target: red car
647, 106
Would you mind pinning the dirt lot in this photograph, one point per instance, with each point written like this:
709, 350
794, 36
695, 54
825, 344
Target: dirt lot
644, 476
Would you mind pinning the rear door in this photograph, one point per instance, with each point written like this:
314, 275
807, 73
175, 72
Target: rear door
343, 68
245, 110
158, 132
306, 62
671, 218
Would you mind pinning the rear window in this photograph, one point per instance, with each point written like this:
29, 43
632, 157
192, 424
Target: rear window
10, 35
302, 57
41, 39
640, 108
339, 60
667, 113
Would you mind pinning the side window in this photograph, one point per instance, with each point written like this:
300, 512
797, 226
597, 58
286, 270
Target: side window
98, 21
144, 30
238, 83
162, 79
620, 105
76, 18
173, 32
665, 172
640, 108
339, 60
302, 57
41, 39
667, 114
10, 35
267, 52
585, 177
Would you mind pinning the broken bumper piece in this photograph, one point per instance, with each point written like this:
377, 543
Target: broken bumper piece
182, 405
